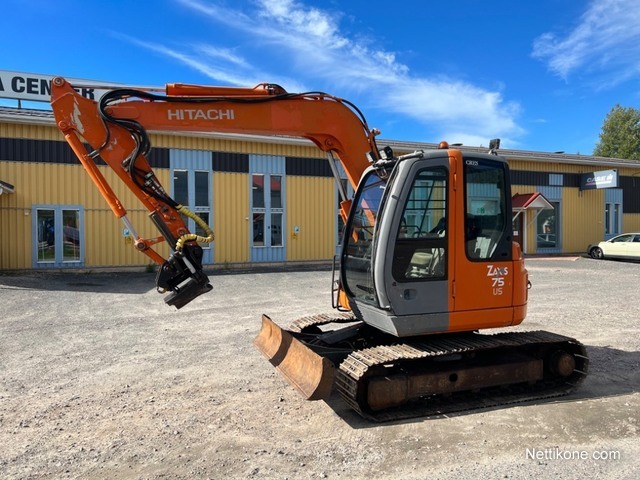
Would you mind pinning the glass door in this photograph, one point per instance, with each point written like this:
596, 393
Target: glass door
267, 217
192, 188
57, 239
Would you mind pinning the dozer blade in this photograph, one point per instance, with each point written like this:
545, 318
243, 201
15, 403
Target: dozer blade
311, 374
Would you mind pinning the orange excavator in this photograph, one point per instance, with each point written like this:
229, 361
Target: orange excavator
427, 258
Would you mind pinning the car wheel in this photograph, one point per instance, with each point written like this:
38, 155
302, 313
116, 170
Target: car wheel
596, 252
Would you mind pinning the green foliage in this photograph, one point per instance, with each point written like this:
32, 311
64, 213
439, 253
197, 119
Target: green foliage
620, 136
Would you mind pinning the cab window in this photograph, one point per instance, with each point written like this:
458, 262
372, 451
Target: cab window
421, 246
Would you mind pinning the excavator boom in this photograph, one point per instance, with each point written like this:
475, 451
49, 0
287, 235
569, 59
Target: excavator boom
116, 130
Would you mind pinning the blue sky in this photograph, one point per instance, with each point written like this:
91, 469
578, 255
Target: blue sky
539, 75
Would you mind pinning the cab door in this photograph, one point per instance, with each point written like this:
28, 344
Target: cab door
484, 276
396, 258
416, 231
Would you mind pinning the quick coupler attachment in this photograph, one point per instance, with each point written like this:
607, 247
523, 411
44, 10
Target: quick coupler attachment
182, 276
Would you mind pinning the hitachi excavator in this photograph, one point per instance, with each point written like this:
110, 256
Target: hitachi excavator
427, 258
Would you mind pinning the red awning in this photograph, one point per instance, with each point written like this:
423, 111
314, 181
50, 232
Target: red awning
536, 201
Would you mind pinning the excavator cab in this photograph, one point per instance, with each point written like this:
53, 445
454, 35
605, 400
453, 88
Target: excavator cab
417, 231
427, 249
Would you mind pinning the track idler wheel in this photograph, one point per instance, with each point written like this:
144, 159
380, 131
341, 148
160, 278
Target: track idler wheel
562, 363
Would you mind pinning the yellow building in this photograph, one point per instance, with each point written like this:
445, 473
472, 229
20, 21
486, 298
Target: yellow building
269, 200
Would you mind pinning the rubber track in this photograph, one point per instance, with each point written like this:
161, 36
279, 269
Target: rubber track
352, 373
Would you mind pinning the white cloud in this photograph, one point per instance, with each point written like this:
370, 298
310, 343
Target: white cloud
315, 50
605, 41
238, 72
456, 105
224, 54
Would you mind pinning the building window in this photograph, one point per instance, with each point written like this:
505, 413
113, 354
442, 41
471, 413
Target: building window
58, 239
547, 227
613, 212
267, 210
181, 187
612, 218
46, 235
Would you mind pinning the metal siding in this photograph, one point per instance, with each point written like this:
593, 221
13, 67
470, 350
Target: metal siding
310, 206
189, 160
191, 142
230, 162
631, 223
58, 151
581, 224
556, 179
532, 179
269, 254
159, 158
613, 195
267, 164
106, 245
544, 167
56, 184
571, 180
232, 217
315, 167
15, 236
58, 179
23, 130
631, 194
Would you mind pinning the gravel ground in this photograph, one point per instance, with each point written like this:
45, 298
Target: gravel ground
99, 379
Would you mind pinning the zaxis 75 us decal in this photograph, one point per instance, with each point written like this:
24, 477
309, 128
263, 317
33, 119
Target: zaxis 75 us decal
497, 275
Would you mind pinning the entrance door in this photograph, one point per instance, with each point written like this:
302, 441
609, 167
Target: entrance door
58, 239
267, 208
191, 187
518, 233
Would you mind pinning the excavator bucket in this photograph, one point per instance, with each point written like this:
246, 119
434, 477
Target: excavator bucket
311, 374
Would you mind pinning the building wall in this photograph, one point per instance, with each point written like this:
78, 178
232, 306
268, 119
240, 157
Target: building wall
46, 173
41, 177
54, 184
310, 202
239, 146
580, 226
631, 222
231, 217
582, 211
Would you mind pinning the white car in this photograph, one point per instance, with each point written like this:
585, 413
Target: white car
626, 246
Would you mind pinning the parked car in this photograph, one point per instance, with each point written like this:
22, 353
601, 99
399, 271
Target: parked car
626, 246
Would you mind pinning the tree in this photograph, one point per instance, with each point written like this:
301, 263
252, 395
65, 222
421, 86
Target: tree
620, 136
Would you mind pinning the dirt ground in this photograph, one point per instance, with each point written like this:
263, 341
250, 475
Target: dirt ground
99, 379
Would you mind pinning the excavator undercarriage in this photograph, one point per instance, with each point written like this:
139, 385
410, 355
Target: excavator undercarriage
385, 378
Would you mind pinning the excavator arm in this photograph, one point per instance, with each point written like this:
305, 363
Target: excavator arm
115, 130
